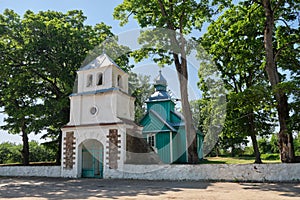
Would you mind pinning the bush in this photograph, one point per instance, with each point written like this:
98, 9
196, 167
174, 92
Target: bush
11, 153
248, 151
270, 156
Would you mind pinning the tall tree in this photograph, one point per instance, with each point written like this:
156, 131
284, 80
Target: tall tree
178, 16
234, 42
41, 54
275, 13
274, 22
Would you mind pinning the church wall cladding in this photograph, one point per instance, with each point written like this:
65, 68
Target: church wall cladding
281, 172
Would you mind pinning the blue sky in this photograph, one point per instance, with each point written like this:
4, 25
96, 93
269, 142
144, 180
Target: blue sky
96, 11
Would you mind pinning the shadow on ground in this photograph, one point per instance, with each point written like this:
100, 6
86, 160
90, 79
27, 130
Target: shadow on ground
58, 188
284, 189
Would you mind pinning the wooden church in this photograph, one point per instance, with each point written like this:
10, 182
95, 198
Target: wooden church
164, 127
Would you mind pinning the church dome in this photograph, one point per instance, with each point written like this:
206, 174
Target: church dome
160, 80
160, 89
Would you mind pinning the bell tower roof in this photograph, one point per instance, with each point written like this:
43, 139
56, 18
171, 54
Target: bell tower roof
101, 75
101, 61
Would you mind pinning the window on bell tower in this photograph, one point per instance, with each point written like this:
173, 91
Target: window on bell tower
100, 79
119, 81
89, 80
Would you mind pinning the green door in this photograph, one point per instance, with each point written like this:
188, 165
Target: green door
92, 160
163, 146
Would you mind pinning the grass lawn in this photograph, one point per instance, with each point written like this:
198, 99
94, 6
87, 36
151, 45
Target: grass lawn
235, 160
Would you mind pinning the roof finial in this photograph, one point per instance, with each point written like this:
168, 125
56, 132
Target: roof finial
160, 80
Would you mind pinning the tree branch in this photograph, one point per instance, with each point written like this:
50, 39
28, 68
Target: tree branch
286, 24
284, 47
277, 5
165, 15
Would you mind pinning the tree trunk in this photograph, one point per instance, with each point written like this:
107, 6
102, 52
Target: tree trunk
25, 149
232, 151
58, 153
285, 138
253, 138
189, 127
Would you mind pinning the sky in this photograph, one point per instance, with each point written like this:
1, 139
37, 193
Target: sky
96, 11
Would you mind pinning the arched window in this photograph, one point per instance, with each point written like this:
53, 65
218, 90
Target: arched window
119, 81
100, 79
89, 80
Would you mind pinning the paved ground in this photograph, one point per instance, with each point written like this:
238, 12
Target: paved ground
57, 188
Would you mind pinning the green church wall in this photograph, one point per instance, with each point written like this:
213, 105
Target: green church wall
182, 158
163, 146
175, 118
161, 108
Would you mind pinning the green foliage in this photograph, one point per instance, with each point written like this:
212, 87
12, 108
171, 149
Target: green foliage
264, 145
236, 46
141, 89
268, 145
248, 151
274, 144
297, 144
187, 14
11, 153
41, 53
40, 152
273, 156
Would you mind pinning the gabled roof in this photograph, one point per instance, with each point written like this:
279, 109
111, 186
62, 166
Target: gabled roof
178, 114
153, 126
101, 61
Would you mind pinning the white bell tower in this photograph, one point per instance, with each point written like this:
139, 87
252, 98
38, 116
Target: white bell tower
102, 95
101, 113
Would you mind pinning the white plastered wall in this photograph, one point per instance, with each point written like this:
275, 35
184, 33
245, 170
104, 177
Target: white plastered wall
100, 134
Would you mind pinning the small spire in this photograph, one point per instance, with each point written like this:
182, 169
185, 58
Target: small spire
160, 80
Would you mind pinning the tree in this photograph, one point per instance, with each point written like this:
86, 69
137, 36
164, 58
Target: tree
235, 46
41, 153
10, 153
177, 16
141, 89
41, 54
286, 12
272, 22
19, 100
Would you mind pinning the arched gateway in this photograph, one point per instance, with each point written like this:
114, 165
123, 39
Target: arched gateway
91, 159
